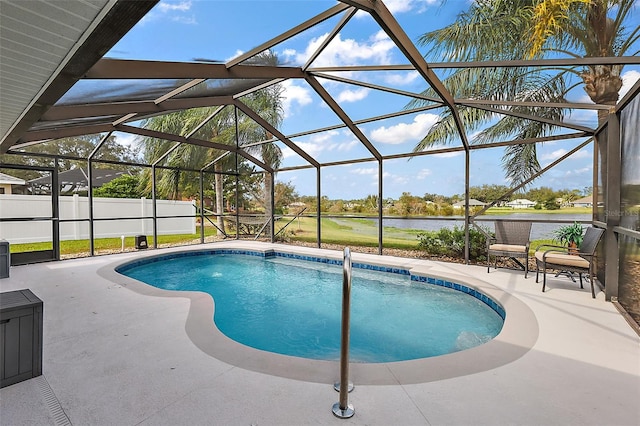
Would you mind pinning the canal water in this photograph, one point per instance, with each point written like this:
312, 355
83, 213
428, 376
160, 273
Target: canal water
538, 230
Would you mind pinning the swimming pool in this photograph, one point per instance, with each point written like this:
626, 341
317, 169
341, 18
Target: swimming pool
396, 315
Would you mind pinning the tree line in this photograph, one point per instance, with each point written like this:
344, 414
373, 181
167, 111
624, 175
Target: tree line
431, 204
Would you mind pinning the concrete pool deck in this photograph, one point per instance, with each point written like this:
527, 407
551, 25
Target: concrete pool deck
115, 354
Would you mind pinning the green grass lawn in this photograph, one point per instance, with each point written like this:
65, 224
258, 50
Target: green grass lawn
362, 232
68, 247
356, 232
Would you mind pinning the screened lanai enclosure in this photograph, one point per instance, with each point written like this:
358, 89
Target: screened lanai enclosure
212, 134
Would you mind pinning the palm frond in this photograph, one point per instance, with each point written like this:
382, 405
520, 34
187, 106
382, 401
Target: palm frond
489, 30
445, 131
501, 30
550, 90
478, 83
520, 162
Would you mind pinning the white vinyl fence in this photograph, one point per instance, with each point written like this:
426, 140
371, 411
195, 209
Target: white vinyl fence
76, 207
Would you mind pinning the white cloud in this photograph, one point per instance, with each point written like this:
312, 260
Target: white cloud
404, 6
174, 11
449, 154
404, 132
372, 172
400, 180
324, 137
581, 154
366, 171
346, 146
581, 171
310, 148
324, 142
381, 35
235, 55
422, 174
289, 53
552, 156
401, 79
352, 95
182, 6
188, 20
375, 51
294, 95
629, 78
333, 140
399, 6
127, 139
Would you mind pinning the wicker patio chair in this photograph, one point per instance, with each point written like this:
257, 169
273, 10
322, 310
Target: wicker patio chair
512, 241
558, 258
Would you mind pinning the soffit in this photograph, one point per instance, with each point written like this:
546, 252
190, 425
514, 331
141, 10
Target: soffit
43, 50
36, 39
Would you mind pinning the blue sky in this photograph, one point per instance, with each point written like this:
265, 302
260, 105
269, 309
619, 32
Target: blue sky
220, 30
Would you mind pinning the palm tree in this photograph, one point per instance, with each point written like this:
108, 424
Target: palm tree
267, 102
188, 156
493, 30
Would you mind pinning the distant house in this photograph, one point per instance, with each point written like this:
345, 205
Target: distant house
9, 184
296, 206
75, 180
521, 203
584, 202
472, 203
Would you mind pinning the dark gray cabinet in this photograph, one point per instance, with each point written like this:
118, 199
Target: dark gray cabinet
20, 336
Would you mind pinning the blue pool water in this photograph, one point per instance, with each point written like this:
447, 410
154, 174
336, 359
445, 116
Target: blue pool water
293, 307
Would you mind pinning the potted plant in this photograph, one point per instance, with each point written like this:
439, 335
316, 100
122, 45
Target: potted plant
571, 235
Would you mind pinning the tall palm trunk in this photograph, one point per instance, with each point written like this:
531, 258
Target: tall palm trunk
602, 82
219, 197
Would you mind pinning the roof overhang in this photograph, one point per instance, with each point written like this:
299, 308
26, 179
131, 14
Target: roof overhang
46, 47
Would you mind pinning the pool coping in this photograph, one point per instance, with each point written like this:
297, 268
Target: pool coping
518, 335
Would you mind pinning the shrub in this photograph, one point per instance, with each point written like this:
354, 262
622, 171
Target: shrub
551, 204
450, 242
446, 210
124, 186
285, 236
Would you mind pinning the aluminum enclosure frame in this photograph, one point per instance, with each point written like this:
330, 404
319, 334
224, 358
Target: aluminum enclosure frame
49, 120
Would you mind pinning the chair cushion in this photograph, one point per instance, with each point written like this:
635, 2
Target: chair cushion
508, 247
558, 258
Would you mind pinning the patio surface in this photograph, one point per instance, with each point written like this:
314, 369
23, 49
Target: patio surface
117, 352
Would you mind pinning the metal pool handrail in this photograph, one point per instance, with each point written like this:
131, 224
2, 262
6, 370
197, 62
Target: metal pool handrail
343, 409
